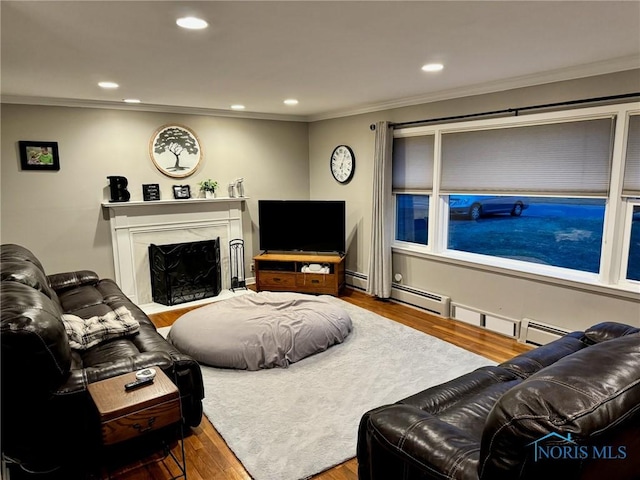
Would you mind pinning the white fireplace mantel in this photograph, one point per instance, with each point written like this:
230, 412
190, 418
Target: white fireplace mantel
137, 224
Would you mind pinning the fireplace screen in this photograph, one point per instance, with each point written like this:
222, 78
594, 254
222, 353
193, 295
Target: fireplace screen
184, 272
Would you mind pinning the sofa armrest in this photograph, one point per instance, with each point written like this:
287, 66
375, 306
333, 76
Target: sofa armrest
395, 437
187, 373
81, 377
64, 281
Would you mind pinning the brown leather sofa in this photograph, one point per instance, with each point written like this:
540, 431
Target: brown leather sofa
569, 410
48, 418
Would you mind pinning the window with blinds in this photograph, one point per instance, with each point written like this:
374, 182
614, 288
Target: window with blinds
631, 184
412, 183
413, 164
529, 193
569, 158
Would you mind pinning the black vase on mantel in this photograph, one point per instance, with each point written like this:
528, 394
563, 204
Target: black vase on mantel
118, 187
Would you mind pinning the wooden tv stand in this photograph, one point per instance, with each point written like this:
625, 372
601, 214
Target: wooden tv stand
282, 272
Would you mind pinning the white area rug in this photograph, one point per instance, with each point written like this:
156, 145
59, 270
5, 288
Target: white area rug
289, 424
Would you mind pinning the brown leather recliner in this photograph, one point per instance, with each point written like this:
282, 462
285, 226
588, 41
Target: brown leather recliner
569, 409
48, 418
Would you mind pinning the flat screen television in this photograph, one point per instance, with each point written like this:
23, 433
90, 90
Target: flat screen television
302, 225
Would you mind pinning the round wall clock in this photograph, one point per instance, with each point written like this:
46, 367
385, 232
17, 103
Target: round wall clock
342, 163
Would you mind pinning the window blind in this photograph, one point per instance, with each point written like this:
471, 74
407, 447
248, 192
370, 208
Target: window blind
571, 158
413, 163
631, 184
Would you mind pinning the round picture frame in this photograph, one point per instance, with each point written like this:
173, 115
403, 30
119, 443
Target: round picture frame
175, 150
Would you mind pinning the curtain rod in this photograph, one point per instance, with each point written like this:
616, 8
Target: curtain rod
514, 111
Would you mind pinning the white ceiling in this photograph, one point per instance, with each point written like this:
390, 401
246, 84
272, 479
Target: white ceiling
335, 57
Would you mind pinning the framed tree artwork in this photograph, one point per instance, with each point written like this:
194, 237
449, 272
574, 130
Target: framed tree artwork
39, 155
175, 150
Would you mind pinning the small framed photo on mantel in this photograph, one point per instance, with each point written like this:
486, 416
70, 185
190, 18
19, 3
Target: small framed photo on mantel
181, 192
39, 155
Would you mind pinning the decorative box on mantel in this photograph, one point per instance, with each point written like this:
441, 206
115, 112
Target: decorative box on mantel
137, 224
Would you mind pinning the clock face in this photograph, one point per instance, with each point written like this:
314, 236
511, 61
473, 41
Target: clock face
342, 163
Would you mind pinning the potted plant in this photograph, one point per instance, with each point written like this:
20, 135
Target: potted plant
209, 188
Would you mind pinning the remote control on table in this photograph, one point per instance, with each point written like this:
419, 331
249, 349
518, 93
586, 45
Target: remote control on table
138, 383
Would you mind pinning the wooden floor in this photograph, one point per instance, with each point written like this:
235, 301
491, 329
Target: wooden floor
209, 458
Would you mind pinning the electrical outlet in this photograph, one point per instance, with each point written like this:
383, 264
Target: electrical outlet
252, 267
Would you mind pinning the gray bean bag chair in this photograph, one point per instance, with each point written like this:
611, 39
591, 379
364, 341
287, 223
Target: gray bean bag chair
263, 330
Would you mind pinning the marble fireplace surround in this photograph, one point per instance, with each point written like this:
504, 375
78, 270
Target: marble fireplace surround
137, 224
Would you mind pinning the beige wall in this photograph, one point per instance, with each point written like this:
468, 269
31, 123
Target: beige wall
500, 294
323, 138
58, 214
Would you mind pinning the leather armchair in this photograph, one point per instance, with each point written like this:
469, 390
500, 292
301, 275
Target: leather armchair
569, 409
48, 416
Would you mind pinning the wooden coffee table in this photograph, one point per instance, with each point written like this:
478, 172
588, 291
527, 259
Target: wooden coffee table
127, 415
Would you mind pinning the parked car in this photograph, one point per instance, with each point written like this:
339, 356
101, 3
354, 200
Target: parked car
476, 206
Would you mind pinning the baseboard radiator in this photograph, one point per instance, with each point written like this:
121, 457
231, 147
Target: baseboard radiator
538, 333
356, 280
496, 323
431, 302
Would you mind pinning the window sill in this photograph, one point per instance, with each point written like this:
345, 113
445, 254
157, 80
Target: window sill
541, 273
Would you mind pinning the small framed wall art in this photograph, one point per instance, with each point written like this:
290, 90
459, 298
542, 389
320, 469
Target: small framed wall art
175, 150
39, 155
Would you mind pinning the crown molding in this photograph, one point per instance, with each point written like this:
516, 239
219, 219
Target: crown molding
144, 107
620, 64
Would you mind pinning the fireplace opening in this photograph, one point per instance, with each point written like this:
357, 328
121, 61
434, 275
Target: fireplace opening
185, 272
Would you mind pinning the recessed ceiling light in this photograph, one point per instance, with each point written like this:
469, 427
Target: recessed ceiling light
131, 100
291, 101
237, 107
192, 23
108, 84
432, 67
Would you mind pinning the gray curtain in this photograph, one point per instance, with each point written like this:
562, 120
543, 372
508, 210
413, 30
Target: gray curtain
379, 277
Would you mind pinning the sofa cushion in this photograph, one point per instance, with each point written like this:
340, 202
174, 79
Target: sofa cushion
86, 333
608, 330
28, 274
17, 253
459, 391
65, 281
590, 394
528, 363
34, 342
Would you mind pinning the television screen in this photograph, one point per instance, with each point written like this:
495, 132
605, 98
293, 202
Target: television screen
302, 225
